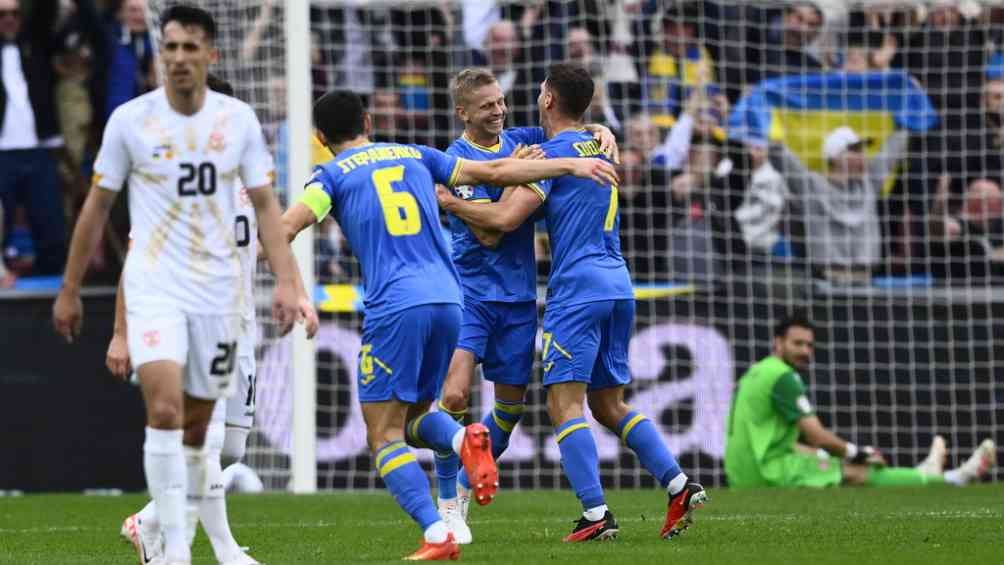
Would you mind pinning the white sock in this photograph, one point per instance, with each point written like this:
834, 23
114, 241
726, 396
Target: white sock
442, 501
437, 533
195, 461
677, 484
213, 511
596, 513
458, 440
148, 518
235, 441
164, 463
956, 477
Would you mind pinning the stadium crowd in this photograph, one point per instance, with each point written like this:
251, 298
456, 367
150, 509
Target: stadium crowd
699, 197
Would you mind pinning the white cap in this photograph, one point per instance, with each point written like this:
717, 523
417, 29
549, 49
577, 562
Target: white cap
838, 140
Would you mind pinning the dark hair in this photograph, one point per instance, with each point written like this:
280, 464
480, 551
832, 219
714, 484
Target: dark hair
188, 15
217, 83
339, 115
572, 86
795, 319
806, 4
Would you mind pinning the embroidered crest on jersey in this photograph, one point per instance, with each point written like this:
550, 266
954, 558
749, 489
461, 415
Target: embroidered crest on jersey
465, 192
163, 151
217, 142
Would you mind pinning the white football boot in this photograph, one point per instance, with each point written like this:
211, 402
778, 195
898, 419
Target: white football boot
450, 512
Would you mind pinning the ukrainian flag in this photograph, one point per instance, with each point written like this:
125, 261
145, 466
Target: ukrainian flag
799, 111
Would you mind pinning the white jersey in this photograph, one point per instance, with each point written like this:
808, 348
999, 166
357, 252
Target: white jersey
246, 235
184, 174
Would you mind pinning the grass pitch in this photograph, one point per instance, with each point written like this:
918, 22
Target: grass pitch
929, 526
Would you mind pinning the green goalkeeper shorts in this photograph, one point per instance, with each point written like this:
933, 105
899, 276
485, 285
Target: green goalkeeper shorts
803, 470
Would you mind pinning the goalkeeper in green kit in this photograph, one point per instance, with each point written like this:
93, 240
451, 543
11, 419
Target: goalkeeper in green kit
775, 438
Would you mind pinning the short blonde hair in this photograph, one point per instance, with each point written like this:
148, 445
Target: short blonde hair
467, 81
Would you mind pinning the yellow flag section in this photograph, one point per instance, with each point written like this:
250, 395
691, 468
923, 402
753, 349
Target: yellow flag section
799, 111
319, 154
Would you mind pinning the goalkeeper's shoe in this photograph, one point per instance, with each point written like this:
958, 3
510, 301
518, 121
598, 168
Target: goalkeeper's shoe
980, 462
679, 511
586, 530
446, 551
149, 543
450, 512
934, 463
476, 455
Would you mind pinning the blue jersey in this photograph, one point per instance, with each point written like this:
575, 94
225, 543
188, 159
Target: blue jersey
582, 220
383, 197
507, 273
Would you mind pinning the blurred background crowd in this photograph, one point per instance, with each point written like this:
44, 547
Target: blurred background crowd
718, 176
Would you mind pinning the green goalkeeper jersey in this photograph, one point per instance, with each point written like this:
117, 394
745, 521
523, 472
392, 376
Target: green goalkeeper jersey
763, 424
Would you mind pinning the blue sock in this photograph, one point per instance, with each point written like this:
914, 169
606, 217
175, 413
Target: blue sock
406, 480
580, 461
500, 423
448, 464
434, 430
639, 433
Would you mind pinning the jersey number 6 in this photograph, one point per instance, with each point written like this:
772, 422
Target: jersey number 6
400, 209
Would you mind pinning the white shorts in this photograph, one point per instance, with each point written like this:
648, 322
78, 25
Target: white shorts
240, 406
205, 345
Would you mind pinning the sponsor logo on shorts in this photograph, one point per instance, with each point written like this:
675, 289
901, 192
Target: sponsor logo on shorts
151, 338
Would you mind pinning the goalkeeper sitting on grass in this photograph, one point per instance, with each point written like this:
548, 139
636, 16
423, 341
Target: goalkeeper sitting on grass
771, 411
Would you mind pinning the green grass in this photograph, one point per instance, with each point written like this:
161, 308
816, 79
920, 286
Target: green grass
930, 526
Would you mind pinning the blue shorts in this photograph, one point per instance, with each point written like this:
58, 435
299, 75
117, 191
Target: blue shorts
588, 343
405, 355
501, 336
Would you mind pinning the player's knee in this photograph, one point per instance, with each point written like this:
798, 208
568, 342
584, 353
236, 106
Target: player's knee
562, 407
608, 412
234, 446
195, 434
454, 398
164, 415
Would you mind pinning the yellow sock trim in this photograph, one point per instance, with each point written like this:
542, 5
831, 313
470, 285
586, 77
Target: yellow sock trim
638, 418
396, 462
571, 429
387, 450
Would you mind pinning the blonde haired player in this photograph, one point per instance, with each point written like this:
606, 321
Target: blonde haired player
182, 149
230, 424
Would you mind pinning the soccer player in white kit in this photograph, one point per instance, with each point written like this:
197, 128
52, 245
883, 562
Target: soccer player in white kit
226, 438
182, 150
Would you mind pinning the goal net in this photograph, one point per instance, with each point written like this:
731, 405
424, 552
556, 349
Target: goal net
840, 157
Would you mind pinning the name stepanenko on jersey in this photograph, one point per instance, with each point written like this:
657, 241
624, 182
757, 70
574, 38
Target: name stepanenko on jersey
184, 175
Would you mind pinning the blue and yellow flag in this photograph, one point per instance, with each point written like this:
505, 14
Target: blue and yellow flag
800, 110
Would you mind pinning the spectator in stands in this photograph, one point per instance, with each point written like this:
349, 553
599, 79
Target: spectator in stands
867, 50
947, 56
983, 144
678, 64
580, 49
507, 61
841, 206
967, 243
130, 70
702, 116
781, 46
644, 206
643, 136
29, 129
762, 216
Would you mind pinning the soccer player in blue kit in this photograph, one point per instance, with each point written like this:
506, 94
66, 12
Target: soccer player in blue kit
590, 311
383, 197
499, 280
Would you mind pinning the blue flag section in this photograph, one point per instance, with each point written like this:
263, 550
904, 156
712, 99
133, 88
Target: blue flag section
800, 110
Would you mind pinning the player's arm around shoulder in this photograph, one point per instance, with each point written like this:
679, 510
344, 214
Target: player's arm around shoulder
503, 216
